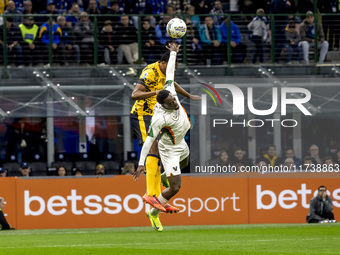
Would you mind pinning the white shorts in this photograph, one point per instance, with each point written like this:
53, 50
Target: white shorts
172, 155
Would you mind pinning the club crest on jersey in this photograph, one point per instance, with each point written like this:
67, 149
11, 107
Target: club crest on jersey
175, 115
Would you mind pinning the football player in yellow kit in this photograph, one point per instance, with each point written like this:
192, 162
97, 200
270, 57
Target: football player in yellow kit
171, 120
151, 81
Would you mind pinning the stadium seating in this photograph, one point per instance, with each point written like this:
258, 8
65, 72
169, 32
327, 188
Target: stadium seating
111, 167
13, 168
87, 167
38, 168
68, 165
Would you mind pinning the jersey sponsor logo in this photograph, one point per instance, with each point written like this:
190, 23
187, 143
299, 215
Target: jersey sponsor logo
175, 168
144, 75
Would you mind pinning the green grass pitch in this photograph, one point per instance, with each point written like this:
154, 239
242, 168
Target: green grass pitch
226, 239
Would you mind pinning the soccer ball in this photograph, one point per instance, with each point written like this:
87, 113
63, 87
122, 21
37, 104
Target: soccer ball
176, 28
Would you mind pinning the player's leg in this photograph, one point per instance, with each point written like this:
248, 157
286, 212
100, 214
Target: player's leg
140, 125
167, 194
175, 185
172, 169
153, 175
153, 214
155, 222
174, 181
180, 155
153, 178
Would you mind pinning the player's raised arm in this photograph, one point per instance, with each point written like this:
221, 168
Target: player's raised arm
140, 92
170, 73
171, 67
183, 92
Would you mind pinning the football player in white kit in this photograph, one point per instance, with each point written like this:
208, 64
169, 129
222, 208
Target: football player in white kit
171, 119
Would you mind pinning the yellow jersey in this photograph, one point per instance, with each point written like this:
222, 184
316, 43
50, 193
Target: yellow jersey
152, 79
3, 4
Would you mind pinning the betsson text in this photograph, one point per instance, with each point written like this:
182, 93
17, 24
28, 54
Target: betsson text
115, 204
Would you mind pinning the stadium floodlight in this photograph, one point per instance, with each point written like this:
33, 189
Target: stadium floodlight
3, 114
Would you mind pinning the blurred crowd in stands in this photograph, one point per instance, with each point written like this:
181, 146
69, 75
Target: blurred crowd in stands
67, 168
312, 161
75, 34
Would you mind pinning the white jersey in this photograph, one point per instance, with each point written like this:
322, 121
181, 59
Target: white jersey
172, 124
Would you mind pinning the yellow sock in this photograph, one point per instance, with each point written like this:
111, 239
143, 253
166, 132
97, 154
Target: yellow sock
152, 171
158, 182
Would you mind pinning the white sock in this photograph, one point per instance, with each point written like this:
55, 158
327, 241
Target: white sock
154, 211
162, 199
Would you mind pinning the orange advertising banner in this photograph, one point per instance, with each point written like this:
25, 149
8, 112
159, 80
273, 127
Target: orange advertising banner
284, 198
117, 202
203, 200
8, 192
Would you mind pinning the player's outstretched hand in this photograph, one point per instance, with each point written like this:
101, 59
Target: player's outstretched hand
173, 47
139, 170
195, 98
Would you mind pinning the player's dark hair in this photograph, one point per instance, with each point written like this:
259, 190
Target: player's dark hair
166, 57
322, 186
162, 95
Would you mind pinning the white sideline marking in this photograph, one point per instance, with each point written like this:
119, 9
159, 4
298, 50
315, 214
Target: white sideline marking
170, 243
51, 233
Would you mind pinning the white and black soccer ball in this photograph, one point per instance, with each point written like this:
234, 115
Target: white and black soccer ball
176, 28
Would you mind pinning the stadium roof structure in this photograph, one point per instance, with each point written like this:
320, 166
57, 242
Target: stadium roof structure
105, 91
